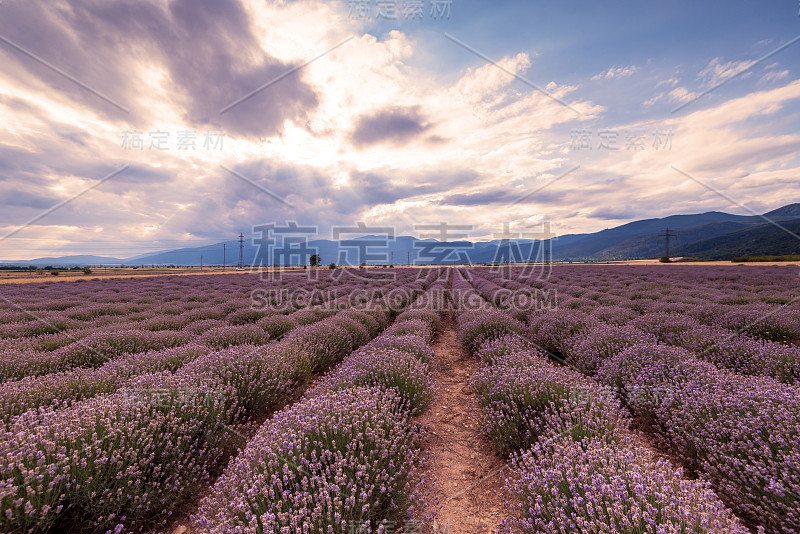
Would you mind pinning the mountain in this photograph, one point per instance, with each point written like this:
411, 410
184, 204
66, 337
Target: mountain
645, 239
761, 240
792, 211
653, 245
68, 261
594, 245
713, 235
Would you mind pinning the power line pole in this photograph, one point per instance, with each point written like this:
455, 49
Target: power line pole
241, 250
408, 259
201, 262
667, 235
392, 261
223, 257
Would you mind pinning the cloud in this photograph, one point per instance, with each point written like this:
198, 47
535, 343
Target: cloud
396, 125
671, 82
774, 76
716, 71
655, 99
616, 72
200, 56
388, 143
613, 214
681, 94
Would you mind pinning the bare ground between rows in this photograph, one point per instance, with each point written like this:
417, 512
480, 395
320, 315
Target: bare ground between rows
467, 475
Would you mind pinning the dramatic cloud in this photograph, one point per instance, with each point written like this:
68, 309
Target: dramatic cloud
341, 120
197, 55
393, 125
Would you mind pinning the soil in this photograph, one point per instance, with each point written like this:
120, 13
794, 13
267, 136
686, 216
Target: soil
467, 474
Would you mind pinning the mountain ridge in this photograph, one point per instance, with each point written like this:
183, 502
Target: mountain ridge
711, 235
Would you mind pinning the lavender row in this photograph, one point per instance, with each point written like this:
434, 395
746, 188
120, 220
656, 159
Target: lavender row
603, 485
576, 467
740, 432
586, 340
111, 462
117, 461
770, 314
155, 305
737, 431
338, 462
748, 303
95, 349
344, 459
66, 387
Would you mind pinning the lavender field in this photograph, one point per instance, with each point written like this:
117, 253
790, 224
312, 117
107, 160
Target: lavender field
616, 398
399, 267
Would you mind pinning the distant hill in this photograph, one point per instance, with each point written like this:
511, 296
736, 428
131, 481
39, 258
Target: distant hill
645, 239
601, 245
68, 261
713, 235
792, 211
653, 245
761, 240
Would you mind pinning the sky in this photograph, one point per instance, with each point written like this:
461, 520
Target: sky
129, 127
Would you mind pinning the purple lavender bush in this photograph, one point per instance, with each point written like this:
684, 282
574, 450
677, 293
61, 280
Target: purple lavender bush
202, 325
411, 343
740, 432
260, 378
505, 350
477, 327
391, 369
331, 463
416, 327
587, 350
552, 330
277, 326
229, 336
433, 319
523, 396
112, 462
606, 485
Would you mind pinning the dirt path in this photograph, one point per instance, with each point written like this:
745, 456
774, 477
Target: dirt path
468, 475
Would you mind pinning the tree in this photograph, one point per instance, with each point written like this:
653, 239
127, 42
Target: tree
87, 270
315, 260
332, 266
